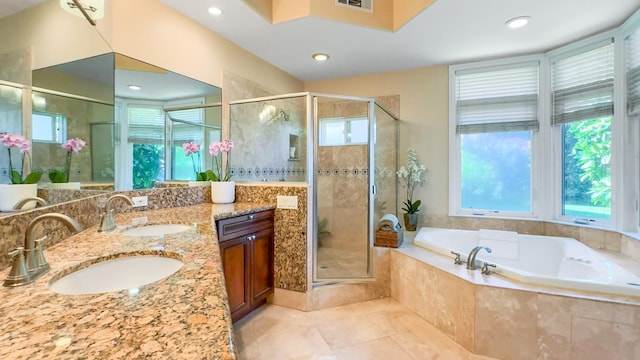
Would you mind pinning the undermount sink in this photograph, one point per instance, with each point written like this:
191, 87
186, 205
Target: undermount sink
157, 229
122, 273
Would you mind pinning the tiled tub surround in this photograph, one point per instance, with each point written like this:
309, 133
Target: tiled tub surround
184, 316
492, 316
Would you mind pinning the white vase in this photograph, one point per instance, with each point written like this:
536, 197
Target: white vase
223, 192
199, 182
11, 194
75, 185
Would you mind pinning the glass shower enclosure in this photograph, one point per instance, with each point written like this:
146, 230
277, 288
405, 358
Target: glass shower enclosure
345, 148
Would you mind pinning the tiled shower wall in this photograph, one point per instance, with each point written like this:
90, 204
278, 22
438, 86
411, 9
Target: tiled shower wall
266, 143
343, 197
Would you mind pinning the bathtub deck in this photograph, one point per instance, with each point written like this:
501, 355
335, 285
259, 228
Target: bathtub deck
497, 317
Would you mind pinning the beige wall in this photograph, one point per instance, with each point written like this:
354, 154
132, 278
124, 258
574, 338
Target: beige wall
55, 35
424, 127
149, 31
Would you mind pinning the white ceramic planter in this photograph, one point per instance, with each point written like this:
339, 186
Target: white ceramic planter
75, 185
199, 183
223, 192
11, 194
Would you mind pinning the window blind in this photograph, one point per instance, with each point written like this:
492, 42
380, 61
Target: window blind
186, 132
632, 45
497, 99
146, 124
582, 85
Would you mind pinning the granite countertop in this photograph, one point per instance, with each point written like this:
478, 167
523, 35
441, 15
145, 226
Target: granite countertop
184, 316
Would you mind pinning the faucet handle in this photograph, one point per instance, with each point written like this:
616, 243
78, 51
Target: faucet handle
458, 260
41, 262
19, 273
485, 268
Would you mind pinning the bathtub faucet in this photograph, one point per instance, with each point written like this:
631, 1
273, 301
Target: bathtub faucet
471, 260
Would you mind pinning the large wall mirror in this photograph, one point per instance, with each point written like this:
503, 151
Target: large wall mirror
60, 80
134, 117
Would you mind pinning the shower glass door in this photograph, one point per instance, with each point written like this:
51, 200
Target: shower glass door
385, 138
342, 180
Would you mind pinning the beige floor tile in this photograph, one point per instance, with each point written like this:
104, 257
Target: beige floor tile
293, 342
379, 349
378, 329
315, 357
350, 330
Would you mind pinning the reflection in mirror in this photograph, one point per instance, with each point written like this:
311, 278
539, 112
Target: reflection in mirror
10, 122
153, 104
74, 100
39, 34
124, 109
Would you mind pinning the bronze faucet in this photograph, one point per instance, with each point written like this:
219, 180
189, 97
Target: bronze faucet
23, 202
107, 223
28, 261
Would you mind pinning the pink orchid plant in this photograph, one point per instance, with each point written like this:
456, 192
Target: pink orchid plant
16, 141
72, 146
220, 172
193, 150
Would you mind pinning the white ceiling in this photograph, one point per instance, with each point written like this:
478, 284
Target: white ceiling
10, 7
447, 32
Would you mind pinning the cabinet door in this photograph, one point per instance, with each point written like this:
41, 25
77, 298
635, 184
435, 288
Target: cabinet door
235, 260
262, 266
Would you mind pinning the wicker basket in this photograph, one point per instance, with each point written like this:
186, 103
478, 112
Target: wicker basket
389, 239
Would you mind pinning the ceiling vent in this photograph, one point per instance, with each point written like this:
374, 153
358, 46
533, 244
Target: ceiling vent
365, 5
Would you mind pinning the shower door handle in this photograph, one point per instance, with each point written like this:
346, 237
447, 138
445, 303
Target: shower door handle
373, 189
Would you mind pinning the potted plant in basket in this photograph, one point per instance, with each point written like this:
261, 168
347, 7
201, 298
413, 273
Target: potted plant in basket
60, 178
411, 176
223, 190
20, 187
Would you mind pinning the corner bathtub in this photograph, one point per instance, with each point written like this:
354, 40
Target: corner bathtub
544, 260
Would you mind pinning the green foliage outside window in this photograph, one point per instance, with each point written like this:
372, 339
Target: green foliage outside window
587, 171
148, 163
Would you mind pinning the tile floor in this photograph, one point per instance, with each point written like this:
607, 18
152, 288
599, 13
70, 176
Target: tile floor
379, 329
335, 263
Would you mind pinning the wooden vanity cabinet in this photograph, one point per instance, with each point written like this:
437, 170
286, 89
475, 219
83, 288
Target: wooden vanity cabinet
246, 248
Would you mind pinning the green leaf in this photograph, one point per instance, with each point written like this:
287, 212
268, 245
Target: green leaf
57, 176
15, 177
211, 175
33, 178
201, 176
415, 206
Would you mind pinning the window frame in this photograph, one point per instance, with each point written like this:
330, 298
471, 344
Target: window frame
57, 120
547, 184
555, 133
455, 150
346, 120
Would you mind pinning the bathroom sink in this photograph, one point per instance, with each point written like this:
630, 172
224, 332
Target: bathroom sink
122, 273
155, 230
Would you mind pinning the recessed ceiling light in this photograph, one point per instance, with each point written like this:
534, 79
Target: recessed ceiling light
134, 87
215, 11
518, 22
320, 56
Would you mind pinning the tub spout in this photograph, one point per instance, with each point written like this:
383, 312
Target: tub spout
471, 260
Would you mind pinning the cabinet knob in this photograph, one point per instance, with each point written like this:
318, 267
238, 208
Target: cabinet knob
251, 217
251, 237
